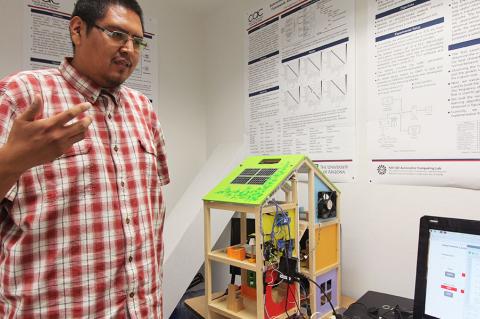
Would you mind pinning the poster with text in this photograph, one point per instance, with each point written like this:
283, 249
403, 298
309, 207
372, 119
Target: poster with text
424, 92
47, 42
300, 74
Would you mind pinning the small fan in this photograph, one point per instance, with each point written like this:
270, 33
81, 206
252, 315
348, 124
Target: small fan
327, 205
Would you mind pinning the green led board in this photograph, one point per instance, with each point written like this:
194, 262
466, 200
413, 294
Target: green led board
253, 181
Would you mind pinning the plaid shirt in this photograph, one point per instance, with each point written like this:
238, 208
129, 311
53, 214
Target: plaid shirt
81, 237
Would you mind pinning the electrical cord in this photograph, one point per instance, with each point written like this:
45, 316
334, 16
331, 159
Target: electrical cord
306, 304
218, 297
322, 290
305, 291
288, 290
279, 221
286, 253
397, 312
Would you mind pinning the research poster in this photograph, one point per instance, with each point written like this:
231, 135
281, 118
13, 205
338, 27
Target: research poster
424, 92
47, 42
300, 74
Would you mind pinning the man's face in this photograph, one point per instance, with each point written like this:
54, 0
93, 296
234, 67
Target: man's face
103, 59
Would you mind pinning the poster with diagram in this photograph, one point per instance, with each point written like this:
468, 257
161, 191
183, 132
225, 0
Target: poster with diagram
300, 74
424, 97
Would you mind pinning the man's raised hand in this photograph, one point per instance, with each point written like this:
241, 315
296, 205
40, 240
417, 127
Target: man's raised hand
33, 141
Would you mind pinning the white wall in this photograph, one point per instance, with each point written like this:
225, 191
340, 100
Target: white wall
182, 106
379, 222
11, 33
224, 74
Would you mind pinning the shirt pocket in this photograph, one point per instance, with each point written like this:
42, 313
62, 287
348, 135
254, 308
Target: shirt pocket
68, 177
47, 191
147, 162
80, 148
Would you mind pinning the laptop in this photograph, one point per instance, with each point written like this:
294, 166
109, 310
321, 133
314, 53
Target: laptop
447, 282
448, 269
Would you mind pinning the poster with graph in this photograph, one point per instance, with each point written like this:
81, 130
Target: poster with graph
300, 74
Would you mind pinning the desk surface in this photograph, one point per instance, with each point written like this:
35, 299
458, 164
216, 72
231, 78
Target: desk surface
197, 304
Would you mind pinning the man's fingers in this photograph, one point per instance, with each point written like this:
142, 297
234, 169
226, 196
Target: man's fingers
76, 138
76, 132
35, 108
63, 118
76, 128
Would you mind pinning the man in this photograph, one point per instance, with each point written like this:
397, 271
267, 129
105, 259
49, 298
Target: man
82, 162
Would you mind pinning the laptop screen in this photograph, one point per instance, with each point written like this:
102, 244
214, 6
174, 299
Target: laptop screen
453, 270
448, 269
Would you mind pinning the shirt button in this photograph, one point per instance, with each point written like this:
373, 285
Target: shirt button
130, 259
123, 184
132, 295
110, 116
115, 148
127, 220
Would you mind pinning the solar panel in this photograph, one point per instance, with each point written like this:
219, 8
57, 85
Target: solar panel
254, 176
266, 171
257, 180
250, 171
241, 180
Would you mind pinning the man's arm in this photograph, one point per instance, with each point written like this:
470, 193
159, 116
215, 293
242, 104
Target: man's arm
7, 175
34, 142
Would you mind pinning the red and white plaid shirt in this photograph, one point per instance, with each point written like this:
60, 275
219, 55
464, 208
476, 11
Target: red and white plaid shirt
81, 237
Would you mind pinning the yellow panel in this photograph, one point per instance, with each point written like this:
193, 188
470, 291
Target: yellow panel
267, 221
326, 246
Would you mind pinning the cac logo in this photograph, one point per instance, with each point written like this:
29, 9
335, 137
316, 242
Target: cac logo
50, 1
255, 16
382, 169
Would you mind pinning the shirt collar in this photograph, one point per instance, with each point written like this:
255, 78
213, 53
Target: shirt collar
84, 85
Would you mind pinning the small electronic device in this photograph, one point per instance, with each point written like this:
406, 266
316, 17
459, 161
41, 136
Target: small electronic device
448, 269
327, 204
375, 305
288, 267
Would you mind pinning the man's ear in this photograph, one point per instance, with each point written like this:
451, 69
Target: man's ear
77, 29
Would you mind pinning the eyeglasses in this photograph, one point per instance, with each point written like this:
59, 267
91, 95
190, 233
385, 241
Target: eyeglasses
122, 37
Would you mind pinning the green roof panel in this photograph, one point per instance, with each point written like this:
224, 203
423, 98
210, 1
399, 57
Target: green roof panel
253, 181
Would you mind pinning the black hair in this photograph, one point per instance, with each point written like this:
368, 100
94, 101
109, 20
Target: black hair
90, 11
